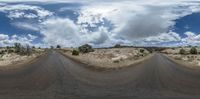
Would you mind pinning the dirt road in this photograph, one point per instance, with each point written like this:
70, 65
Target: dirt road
56, 77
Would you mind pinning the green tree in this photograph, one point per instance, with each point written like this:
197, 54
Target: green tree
86, 48
193, 50
117, 46
58, 46
17, 47
51, 47
75, 52
182, 51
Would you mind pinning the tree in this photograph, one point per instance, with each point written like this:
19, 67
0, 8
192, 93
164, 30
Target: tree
9, 49
142, 50
75, 52
33, 47
22, 50
58, 46
193, 50
86, 48
51, 47
182, 51
28, 50
17, 47
117, 46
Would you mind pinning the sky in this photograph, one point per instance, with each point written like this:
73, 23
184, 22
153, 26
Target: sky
100, 23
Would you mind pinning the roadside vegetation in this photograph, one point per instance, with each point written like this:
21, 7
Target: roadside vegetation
187, 54
18, 53
113, 57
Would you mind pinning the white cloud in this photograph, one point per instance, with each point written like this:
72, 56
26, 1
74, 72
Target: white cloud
60, 31
132, 22
67, 33
164, 37
191, 38
189, 34
26, 26
6, 40
19, 11
32, 37
138, 20
3, 37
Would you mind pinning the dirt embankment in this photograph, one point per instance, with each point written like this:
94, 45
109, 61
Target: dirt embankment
13, 59
187, 59
110, 58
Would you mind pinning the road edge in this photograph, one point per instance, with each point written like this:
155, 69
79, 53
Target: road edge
24, 63
183, 63
99, 68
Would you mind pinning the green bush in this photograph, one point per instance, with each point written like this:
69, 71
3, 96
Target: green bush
10, 51
193, 50
86, 48
141, 50
22, 50
2, 52
116, 61
75, 52
117, 46
182, 51
51, 47
17, 47
58, 46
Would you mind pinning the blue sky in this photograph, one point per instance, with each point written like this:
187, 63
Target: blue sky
100, 23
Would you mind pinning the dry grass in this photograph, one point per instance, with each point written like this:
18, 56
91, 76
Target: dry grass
189, 59
9, 59
110, 58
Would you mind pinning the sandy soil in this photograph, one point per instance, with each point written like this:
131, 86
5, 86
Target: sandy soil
111, 58
13, 58
189, 60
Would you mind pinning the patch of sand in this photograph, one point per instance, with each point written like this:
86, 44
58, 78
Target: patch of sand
111, 58
13, 58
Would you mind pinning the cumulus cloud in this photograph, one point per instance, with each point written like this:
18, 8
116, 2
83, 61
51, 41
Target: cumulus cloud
104, 23
191, 38
60, 31
26, 26
25, 11
3, 37
137, 20
175, 39
164, 37
6, 40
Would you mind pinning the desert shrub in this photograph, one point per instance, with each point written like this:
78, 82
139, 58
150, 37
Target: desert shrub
58, 46
193, 50
141, 50
75, 52
17, 47
51, 47
28, 50
22, 50
182, 51
116, 61
86, 48
117, 46
2, 52
10, 51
